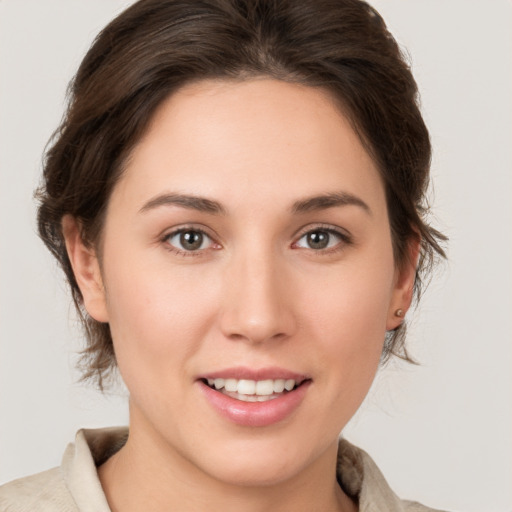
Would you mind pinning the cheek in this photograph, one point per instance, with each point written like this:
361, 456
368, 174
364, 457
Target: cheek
353, 334
348, 315
156, 316
354, 302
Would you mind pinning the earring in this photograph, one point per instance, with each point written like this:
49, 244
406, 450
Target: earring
399, 313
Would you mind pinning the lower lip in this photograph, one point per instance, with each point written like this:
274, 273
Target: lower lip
255, 414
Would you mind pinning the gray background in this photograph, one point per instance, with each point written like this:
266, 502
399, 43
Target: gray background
440, 432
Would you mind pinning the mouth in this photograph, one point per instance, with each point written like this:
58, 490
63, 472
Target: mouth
252, 397
247, 390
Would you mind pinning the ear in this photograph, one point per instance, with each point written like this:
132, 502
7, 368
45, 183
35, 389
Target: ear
86, 268
403, 289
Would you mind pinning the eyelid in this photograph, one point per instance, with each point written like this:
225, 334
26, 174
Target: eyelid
321, 226
164, 238
344, 235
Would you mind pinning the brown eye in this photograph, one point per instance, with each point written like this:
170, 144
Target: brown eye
189, 240
318, 239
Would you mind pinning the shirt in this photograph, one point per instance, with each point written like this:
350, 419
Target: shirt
75, 486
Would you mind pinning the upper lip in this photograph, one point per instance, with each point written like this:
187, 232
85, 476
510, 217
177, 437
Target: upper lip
243, 372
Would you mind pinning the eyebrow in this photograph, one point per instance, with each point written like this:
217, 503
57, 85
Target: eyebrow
308, 204
325, 201
201, 204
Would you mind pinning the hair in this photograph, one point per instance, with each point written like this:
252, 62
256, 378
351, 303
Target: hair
156, 47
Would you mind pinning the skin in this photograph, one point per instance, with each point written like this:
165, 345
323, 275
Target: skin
255, 294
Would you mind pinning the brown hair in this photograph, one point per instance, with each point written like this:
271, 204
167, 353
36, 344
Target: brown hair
157, 46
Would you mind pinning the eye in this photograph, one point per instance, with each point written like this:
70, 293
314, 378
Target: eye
189, 240
321, 239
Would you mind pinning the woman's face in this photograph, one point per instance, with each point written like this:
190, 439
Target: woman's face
247, 245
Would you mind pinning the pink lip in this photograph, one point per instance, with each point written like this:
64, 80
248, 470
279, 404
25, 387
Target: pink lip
255, 414
242, 372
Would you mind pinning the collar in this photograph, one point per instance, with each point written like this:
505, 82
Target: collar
357, 474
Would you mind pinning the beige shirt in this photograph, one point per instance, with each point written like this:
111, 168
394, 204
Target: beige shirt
75, 486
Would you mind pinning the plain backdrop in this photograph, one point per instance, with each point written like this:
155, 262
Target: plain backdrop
440, 432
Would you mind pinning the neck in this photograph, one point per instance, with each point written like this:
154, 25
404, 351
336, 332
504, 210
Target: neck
147, 475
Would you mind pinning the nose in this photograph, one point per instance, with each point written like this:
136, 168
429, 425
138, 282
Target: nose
257, 303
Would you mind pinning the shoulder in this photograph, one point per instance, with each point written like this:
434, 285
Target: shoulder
414, 506
44, 492
72, 487
361, 479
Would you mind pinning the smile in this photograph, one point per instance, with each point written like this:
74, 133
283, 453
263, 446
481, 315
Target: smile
254, 398
252, 390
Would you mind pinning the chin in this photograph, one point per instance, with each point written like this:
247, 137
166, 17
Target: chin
259, 472
257, 462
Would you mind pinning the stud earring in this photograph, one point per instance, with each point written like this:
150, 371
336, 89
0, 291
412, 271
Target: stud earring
399, 313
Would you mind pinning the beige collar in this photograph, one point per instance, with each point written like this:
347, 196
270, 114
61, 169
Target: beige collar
357, 473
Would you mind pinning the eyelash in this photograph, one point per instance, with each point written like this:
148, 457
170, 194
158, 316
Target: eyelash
345, 239
180, 252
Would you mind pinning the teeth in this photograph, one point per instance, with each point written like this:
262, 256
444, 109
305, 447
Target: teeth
279, 386
246, 387
289, 384
252, 398
253, 389
231, 385
264, 387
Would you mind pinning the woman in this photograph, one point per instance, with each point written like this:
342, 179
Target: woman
236, 196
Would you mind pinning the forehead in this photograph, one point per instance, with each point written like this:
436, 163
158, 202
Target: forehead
250, 140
